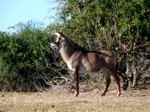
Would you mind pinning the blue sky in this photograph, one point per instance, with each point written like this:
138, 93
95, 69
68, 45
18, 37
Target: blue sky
15, 11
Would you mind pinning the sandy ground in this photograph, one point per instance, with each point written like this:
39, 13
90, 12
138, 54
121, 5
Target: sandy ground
59, 99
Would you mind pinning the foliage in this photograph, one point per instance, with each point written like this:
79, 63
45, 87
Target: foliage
122, 26
27, 62
26, 59
119, 23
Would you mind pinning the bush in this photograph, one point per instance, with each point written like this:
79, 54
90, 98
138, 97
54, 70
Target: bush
26, 59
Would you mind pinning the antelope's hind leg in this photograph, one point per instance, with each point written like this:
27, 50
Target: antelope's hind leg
106, 75
117, 79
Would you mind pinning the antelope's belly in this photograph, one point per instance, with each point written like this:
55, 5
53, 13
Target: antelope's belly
82, 69
89, 69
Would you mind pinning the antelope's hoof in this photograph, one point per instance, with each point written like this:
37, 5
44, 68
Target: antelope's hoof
103, 94
76, 94
119, 94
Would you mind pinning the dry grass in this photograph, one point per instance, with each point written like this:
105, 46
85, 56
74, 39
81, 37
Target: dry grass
60, 100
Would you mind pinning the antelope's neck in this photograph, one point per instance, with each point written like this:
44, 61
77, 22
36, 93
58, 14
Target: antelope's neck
66, 51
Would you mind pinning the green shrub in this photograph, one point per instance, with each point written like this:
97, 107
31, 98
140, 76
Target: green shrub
26, 59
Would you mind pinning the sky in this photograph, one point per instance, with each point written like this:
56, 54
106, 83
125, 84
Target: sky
13, 12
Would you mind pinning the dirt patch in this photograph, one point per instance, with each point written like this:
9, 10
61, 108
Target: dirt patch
60, 99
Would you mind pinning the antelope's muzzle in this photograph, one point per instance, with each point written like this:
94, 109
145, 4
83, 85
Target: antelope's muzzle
54, 45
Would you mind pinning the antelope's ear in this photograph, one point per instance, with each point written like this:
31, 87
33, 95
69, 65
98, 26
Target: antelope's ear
58, 34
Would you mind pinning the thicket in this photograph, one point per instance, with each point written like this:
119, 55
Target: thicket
119, 23
26, 59
27, 63
122, 26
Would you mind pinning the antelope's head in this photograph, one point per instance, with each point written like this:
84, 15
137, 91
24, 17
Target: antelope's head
60, 39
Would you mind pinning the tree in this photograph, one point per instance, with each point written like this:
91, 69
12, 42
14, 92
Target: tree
119, 25
26, 60
113, 22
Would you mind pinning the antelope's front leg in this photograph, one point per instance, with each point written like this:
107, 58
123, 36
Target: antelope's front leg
76, 78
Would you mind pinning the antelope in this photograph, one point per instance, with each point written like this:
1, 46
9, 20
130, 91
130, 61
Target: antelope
80, 60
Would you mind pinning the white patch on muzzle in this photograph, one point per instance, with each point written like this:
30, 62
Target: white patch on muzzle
54, 46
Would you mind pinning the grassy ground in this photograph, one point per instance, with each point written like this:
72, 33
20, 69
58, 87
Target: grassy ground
61, 100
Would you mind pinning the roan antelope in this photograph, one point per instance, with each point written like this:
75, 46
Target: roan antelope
80, 60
